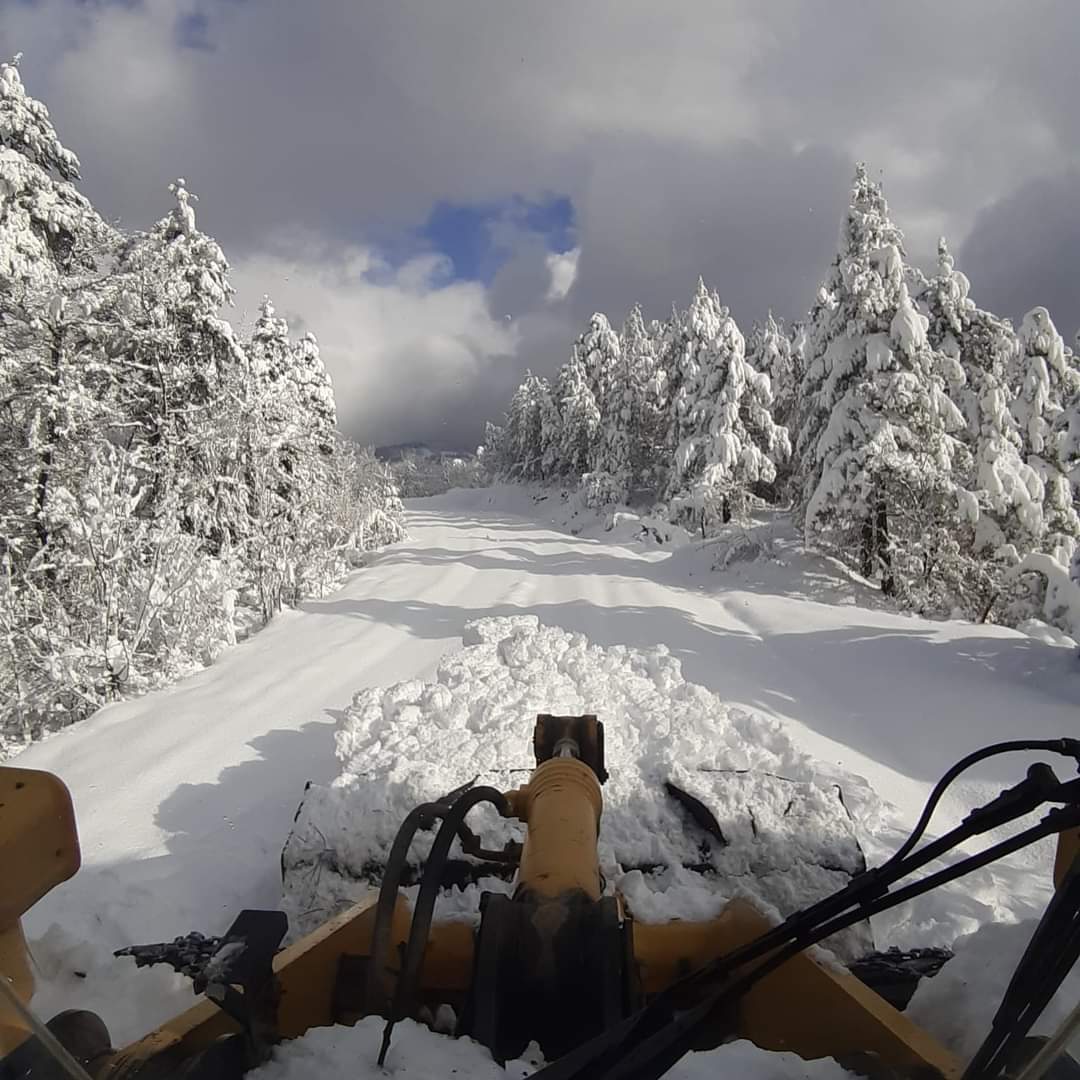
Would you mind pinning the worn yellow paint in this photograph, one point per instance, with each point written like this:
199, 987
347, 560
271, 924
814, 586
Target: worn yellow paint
39, 848
561, 805
1068, 851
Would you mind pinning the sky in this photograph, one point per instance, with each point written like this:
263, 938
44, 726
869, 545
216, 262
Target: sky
444, 192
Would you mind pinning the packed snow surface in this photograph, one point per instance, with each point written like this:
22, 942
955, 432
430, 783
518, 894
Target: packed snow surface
185, 797
958, 1004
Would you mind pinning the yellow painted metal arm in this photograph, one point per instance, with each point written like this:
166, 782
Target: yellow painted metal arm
1068, 851
805, 1007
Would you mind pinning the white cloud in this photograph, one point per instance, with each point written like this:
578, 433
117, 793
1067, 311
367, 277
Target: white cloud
717, 140
563, 269
405, 348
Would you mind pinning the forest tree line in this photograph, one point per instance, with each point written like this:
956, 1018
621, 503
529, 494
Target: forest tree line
928, 442
164, 483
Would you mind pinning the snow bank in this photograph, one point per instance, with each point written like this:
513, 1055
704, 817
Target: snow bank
1061, 606
419, 1054
788, 836
958, 1004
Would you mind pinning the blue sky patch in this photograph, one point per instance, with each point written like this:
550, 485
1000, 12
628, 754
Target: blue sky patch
473, 235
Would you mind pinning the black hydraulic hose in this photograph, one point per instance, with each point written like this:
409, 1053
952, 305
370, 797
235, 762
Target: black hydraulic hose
425, 901
419, 817
1065, 747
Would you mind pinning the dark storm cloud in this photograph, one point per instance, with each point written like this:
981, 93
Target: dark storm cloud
712, 138
1025, 251
758, 223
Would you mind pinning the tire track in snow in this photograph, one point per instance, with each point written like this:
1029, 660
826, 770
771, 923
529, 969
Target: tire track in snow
188, 794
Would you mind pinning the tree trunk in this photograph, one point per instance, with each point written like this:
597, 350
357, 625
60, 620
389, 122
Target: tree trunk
986, 610
725, 510
876, 548
884, 548
45, 468
866, 552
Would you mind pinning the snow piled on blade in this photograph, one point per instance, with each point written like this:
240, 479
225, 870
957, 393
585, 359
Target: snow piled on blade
788, 838
419, 1054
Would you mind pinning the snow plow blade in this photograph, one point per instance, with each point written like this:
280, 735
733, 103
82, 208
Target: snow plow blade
561, 960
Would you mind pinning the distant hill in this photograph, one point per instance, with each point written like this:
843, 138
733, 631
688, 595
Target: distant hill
397, 451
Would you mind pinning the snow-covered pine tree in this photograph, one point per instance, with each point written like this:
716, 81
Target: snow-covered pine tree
1049, 378
1066, 435
731, 442
638, 425
55, 386
97, 599
1066, 439
1046, 373
269, 347
551, 435
314, 390
524, 429
293, 547
493, 452
133, 438
186, 372
619, 409
1010, 492
878, 466
580, 416
53, 374
799, 337
308, 445
597, 349
689, 336
771, 351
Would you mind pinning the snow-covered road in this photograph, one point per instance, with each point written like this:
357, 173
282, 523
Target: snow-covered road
185, 797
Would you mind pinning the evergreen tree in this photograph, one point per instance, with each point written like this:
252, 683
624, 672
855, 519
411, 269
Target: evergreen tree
984, 349
1049, 378
524, 428
639, 423
53, 371
878, 472
1047, 374
314, 391
185, 372
731, 441
687, 340
269, 348
1067, 442
772, 352
150, 469
494, 451
597, 350
551, 436
580, 417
